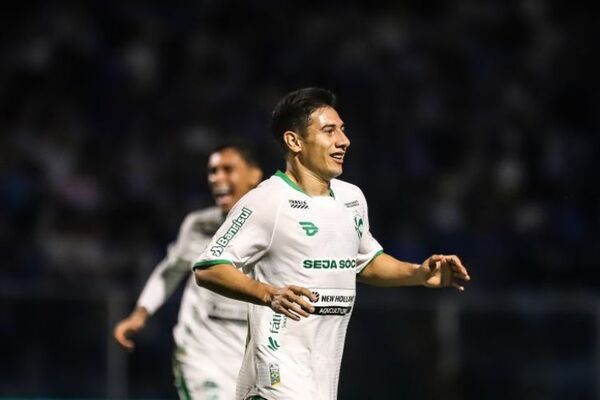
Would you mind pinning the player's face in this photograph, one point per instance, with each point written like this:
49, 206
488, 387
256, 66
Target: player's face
325, 144
230, 177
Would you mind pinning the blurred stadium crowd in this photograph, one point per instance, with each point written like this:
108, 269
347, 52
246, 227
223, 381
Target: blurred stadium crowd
474, 128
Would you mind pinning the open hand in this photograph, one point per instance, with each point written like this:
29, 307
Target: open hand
443, 271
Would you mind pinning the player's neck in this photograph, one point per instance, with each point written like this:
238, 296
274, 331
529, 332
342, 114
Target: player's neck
311, 183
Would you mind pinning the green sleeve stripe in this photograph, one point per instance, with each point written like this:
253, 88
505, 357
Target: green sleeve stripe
380, 252
210, 263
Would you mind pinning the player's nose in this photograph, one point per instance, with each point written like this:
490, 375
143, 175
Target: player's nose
343, 141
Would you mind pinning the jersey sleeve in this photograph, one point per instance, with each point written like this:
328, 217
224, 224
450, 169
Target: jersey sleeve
167, 275
246, 234
369, 247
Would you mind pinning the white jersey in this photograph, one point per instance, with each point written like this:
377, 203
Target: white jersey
211, 329
279, 235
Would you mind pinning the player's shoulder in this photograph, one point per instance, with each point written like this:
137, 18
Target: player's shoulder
346, 191
268, 193
206, 220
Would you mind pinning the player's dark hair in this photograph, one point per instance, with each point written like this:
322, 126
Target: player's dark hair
292, 112
244, 150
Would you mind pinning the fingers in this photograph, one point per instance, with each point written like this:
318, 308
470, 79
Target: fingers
299, 298
435, 261
457, 267
459, 272
127, 344
303, 292
120, 335
291, 302
291, 309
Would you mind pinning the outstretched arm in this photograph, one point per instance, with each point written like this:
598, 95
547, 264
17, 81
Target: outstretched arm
228, 281
437, 271
163, 281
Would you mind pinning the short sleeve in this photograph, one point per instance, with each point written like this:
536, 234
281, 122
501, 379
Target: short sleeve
369, 247
190, 243
246, 234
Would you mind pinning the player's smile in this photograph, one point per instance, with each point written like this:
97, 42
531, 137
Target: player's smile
338, 156
222, 195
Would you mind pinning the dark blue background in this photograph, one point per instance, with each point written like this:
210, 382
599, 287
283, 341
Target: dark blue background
474, 128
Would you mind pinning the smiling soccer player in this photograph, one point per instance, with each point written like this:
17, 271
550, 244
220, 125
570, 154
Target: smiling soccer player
302, 237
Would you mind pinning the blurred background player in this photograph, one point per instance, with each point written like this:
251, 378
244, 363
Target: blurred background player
211, 329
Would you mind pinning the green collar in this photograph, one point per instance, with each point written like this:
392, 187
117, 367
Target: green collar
294, 185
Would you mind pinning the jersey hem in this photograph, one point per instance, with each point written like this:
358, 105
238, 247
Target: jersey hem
380, 252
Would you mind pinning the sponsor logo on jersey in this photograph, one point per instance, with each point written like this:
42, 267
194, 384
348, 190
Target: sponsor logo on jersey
276, 323
309, 228
334, 301
301, 204
317, 295
273, 345
329, 264
274, 374
359, 225
236, 225
351, 204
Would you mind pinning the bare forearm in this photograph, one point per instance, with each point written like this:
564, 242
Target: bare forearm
229, 282
385, 270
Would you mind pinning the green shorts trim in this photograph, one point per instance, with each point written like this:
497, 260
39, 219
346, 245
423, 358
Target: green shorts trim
180, 383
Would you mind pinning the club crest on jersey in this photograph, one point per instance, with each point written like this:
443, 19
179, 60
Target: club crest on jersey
301, 204
309, 228
236, 225
359, 225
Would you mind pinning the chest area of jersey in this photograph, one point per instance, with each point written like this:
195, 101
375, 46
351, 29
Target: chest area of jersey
321, 228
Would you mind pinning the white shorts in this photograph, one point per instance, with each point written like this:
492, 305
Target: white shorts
199, 380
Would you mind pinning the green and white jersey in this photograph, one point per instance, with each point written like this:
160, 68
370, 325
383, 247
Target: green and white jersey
211, 329
279, 235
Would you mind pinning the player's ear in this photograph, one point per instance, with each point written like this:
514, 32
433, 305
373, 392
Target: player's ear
293, 141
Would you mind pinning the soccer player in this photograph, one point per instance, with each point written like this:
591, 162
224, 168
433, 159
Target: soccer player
211, 330
294, 248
